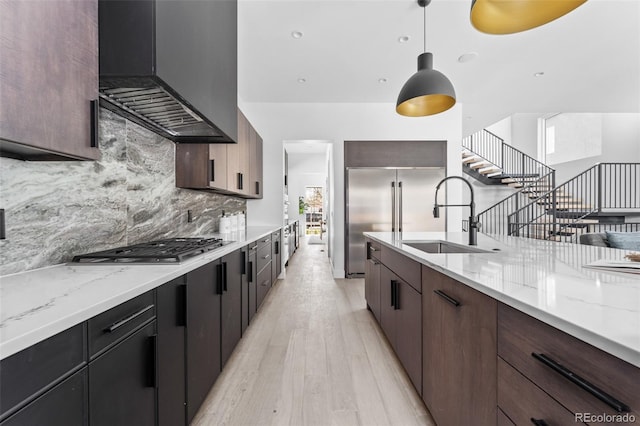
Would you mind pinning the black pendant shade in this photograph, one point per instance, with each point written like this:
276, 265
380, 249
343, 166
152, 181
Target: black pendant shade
427, 92
512, 16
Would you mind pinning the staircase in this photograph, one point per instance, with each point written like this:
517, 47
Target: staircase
596, 200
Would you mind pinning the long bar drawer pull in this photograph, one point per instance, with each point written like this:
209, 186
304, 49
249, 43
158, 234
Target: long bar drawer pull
620, 407
266, 256
446, 297
265, 283
116, 325
538, 422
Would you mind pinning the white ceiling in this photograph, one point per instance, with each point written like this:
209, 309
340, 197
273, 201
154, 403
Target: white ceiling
590, 57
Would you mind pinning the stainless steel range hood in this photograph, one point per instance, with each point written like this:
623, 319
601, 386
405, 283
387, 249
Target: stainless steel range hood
177, 83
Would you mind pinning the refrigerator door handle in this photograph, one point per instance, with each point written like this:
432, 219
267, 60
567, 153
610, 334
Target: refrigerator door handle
393, 207
400, 206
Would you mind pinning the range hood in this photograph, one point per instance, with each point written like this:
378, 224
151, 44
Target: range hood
171, 66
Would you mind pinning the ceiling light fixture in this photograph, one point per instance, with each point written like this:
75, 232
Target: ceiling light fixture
382, 80
467, 57
428, 91
302, 80
403, 39
296, 34
538, 74
514, 16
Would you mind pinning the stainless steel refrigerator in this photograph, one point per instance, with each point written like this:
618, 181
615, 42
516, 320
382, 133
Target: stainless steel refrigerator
388, 199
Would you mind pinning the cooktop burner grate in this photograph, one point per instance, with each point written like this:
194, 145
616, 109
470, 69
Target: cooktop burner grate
174, 250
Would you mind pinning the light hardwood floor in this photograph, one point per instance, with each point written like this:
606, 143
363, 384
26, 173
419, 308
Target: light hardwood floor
313, 355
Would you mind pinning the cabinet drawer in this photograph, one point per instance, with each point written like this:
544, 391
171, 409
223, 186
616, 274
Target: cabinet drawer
263, 285
64, 405
112, 326
520, 336
264, 257
522, 401
373, 250
405, 268
264, 242
28, 373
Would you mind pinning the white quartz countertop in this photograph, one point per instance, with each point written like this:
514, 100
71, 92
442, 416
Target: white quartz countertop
38, 304
546, 280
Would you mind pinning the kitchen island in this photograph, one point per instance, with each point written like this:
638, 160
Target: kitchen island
529, 304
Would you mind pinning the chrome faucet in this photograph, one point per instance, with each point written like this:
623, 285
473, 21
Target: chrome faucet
473, 220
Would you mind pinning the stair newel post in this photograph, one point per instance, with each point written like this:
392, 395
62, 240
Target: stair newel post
600, 177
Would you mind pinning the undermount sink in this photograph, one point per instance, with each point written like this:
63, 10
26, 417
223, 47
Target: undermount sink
443, 247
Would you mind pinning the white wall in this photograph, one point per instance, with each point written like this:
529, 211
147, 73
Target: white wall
502, 129
524, 133
277, 122
304, 170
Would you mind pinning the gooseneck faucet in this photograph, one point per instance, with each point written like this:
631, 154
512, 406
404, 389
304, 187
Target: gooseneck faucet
473, 220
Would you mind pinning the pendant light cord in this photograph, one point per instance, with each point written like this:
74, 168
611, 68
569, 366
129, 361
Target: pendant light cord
424, 26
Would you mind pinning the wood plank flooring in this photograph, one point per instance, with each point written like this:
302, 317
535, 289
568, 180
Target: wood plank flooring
313, 355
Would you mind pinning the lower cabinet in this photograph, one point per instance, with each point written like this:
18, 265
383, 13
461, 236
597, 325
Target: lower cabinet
172, 321
64, 405
263, 284
459, 346
231, 304
203, 333
372, 286
252, 269
244, 283
122, 382
401, 320
567, 380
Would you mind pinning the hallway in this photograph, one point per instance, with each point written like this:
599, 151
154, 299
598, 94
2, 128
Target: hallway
313, 355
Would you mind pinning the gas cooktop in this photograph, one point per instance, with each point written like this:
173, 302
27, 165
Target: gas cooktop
169, 251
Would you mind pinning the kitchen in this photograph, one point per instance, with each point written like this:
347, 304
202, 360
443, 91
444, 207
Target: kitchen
129, 195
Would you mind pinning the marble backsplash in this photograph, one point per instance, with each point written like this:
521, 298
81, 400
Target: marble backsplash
55, 210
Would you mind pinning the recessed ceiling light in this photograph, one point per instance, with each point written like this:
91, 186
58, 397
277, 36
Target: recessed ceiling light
296, 34
403, 39
382, 80
467, 57
302, 80
538, 74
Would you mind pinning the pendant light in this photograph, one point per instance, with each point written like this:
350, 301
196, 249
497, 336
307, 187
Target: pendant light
428, 91
513, 16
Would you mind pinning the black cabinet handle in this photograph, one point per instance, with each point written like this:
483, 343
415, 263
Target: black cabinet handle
95, 117
266, 256
181, 320
277, 247
152, 362
257, 188
265, 283
224, 276
396, 304
582, 383
393, 294
446, 297
219, 278
243, 263
116, 325
212, 170
250, 271
239, 180
538, 422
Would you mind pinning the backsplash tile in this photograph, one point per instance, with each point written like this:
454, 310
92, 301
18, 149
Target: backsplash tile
55, 210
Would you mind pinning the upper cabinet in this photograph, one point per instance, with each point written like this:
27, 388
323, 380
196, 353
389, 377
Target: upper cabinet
49, 79
227, 168
171, 66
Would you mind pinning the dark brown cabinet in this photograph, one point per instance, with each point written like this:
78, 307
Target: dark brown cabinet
569, 376
48, 79
459, 347
24, 377
172, 321
227, 168
372, 278
231, 304
203, 333
122, 382
276, 255
255, 164
401, 320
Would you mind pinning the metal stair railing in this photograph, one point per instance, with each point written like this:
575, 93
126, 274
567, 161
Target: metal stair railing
514, 163
603, 188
